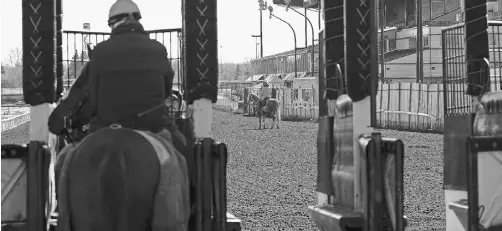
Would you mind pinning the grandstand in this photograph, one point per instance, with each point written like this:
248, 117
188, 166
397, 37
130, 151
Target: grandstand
400, 42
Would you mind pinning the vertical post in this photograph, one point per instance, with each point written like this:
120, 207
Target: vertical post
405, 13
201, 55
360, 69
476, 45
306, 32
313, 51
333, 45
59, 48
39, 90
381, 10
331, 53
319, 9
418, 22
261, 33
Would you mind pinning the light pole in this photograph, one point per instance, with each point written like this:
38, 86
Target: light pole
263, 6
256, 44
271, 9
312, 27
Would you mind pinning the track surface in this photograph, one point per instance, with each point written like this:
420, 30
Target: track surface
272, 173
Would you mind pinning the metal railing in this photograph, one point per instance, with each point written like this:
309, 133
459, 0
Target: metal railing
75, 54
454, 66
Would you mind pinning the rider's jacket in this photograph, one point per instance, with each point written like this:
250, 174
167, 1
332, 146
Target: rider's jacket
73, 104
265, 92
130, 75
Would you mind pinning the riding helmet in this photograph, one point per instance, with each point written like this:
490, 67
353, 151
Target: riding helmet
123, 8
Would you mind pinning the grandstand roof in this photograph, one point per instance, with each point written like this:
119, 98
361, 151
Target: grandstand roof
255, 78
309, 4
291, 76
274, 78
290, 52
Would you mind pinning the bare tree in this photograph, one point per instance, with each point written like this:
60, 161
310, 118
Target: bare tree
12, 69
15, 57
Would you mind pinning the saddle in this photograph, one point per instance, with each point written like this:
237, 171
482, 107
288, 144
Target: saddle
172, 191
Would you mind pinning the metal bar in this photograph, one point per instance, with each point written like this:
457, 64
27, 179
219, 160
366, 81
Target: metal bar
199, 190
418, 22
400, 222
382, 48
445, 72
472, 187
261, 33
376, 181
207, 184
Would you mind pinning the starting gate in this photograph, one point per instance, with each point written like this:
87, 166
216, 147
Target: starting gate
456, 102
468, 194
44, 60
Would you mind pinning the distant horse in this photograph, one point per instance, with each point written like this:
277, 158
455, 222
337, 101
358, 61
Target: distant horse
268, 109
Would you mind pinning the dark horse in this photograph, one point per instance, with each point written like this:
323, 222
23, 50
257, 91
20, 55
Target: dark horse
268, 109
116, 178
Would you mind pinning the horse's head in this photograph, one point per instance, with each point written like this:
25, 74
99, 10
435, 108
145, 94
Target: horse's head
253, 98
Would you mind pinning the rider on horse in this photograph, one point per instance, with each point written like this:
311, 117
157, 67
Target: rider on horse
264, 94
131, 75
128, 80
127, 84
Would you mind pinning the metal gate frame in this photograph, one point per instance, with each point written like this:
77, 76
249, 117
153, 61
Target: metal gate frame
456, 101
86, 37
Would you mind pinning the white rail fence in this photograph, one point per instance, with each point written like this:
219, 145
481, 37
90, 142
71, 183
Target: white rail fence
15, 121
407, 106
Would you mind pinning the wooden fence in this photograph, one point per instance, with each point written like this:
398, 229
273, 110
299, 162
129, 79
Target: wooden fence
410, 106
403, 106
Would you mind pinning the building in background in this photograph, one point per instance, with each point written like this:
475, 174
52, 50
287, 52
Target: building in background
400, 40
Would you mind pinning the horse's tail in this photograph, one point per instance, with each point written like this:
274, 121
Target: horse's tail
113, 191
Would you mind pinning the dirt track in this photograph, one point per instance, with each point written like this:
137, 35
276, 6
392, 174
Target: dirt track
271, 173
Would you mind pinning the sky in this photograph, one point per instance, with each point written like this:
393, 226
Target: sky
237, 21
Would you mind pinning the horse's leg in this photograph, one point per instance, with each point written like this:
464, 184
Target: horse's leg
273, 121
277, 116
259, 121
264, 115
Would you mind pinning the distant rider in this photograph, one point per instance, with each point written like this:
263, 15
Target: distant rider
131, 76
264, 94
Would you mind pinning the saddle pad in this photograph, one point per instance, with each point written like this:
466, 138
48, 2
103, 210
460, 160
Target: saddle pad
172, 202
